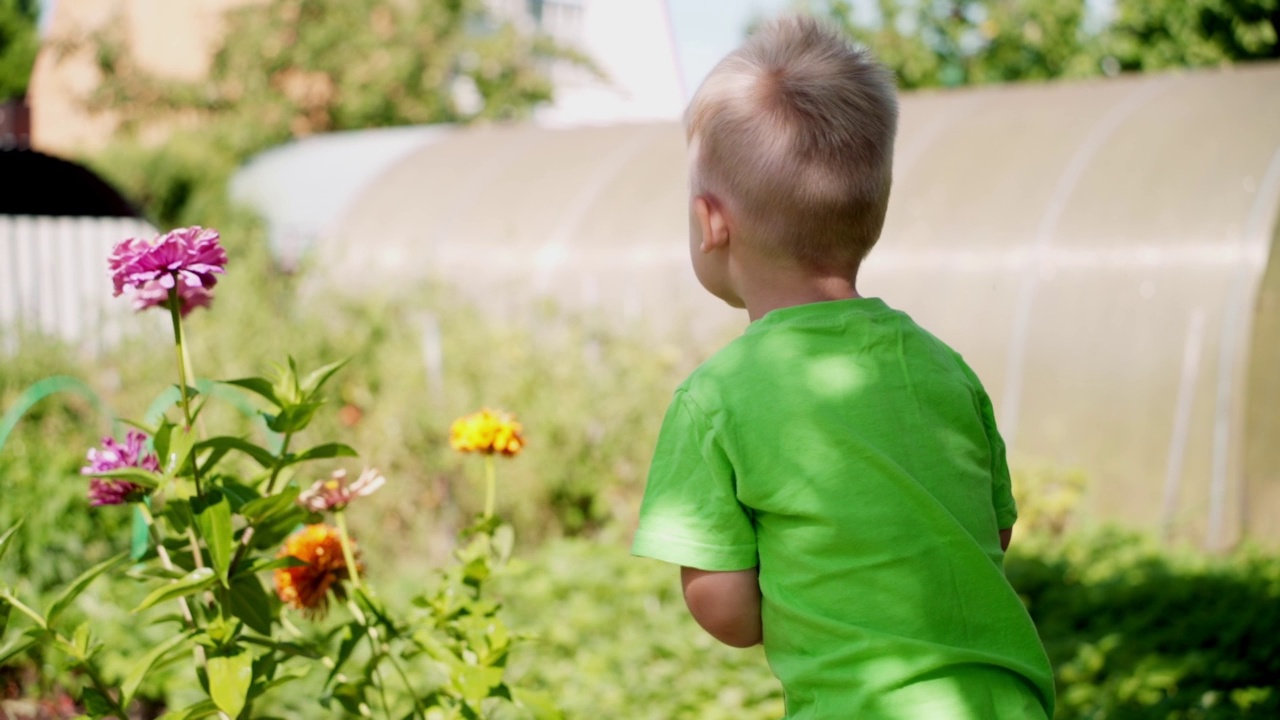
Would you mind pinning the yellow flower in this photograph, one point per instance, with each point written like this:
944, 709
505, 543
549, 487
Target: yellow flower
487, 432
306, 587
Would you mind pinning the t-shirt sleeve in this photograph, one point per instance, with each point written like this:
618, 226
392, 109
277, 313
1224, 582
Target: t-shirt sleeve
1001, 483
690, 515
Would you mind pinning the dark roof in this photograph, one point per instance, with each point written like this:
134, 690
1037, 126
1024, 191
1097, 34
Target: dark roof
32, 183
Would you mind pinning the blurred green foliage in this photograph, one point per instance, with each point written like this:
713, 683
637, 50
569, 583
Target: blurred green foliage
946, 43
1141, 634
287, 69
1158, 34
1133, 632
18, 44
291, 68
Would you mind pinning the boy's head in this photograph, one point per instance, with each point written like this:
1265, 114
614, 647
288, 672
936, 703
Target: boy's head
791, 136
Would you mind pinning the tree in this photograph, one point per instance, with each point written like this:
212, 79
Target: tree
18, 44
1158, 34
932, 43
290, 68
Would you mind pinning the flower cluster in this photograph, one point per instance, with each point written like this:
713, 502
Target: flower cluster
186, 259
113, 456
306, 587
487, 432
336, 493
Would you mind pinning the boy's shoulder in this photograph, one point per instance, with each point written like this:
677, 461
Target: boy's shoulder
777, 350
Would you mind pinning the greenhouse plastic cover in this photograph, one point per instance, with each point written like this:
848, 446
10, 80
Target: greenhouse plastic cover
1100, 252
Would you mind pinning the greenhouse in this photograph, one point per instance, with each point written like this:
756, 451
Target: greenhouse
1099, 251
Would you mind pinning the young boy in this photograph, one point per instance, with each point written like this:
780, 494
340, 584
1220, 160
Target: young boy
832, 482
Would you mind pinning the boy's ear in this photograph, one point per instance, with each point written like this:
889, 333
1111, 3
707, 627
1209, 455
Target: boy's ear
713, 221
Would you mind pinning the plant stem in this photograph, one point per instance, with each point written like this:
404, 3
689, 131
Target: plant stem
165, 561
22, 608
347, 554
490, 486
275, 471
404, 677
382, 691
101, 687
376, 647
176, 315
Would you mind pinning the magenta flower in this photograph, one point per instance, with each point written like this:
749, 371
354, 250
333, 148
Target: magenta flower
154, 294
113, 456
186, 258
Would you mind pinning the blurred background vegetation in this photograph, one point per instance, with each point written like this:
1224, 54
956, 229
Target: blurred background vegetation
613, 639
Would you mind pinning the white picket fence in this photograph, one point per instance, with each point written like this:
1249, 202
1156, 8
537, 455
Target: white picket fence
54, 279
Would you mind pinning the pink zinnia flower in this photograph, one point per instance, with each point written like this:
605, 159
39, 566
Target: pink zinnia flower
113, 456
186, 258
154, 294
336, 493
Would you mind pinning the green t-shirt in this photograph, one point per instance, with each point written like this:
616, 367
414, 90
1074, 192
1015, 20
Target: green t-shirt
854, 458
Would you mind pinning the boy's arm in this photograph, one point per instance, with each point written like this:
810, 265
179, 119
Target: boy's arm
725, 604
691, 517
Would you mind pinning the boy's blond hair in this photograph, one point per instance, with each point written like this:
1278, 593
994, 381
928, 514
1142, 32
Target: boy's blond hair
795, 131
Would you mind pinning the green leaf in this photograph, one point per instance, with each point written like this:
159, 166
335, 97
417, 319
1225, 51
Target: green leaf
178, 512
160, 440
475, 682
140, 669
353, 633
195, 581
21, 607
139, 535
96, 704
350, 696
213, 519
237, 494
181, 442
229, 679
15, 649
7, 538
293, 649
68, 596
293, 418
273, 531
322, 452
269, 506
5, 610
264, 564
250, 603
82, 642
258, 386
541, 705
150, 430
261, 455
317, 378
201, 709
137, 476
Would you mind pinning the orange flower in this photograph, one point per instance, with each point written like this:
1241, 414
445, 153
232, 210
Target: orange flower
487, 432
306, 587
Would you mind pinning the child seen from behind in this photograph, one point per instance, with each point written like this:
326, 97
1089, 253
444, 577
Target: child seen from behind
832, 482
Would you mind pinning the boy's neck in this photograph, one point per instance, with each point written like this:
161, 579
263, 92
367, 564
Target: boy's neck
790, 289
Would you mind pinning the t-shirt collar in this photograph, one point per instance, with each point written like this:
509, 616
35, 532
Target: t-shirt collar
818, 312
